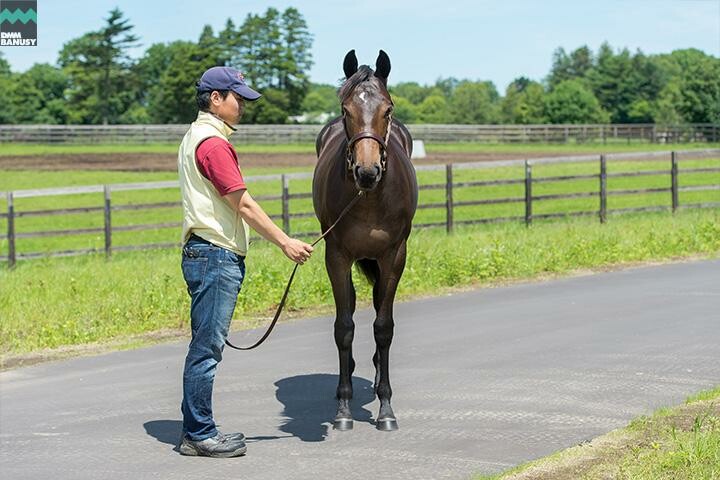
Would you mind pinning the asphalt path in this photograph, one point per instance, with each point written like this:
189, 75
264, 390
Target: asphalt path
483, 380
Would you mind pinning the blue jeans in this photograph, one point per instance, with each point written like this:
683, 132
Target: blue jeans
213, 276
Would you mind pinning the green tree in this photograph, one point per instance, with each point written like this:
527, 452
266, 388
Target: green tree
524, 102
573, 102
98, 67
172, 99
38, 95
474, 102
433, 109
271, 109
321, 98
405, 111
566, 67
4, 66
696, 77
412, 91
274, 52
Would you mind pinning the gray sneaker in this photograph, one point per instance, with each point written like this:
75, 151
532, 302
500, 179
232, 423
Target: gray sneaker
220, 446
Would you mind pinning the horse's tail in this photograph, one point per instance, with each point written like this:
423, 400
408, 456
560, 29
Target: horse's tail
370, 269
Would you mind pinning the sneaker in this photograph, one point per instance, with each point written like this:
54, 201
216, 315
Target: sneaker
220, 446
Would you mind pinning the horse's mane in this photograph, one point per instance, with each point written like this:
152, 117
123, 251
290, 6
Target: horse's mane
363, 74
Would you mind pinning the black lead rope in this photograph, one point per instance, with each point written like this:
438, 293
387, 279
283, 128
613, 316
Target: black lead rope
292, 275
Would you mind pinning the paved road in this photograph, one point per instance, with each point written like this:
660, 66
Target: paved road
483, 380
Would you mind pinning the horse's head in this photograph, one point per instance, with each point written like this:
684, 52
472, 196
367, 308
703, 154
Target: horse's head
367, 115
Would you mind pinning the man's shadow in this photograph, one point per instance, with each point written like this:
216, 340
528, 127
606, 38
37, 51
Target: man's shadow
310, 404
309, 409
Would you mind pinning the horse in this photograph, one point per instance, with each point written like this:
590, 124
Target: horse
365, 152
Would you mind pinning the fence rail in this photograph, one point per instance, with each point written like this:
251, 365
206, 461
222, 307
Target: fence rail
449, 186
283, 134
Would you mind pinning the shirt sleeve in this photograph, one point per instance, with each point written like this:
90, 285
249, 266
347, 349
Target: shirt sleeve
218, 162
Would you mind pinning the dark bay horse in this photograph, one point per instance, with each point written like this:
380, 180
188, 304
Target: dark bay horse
365, 150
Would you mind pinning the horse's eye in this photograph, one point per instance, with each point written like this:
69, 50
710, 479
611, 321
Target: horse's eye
388, 112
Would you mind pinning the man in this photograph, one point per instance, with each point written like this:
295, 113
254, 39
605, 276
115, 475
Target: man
217, 209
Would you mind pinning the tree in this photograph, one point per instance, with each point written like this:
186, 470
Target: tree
98, 67
321, 98
273, 51
4, 66
474, 102
405, 111
38, 95
524, 102
433, 109
573, 102
172, 99
566, 67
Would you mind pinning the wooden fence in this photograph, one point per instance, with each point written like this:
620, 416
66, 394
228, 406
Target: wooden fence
449, 186
284, 134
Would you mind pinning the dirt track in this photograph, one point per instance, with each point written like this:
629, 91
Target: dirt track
167, 161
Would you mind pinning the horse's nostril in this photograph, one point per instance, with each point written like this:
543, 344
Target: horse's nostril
377, 170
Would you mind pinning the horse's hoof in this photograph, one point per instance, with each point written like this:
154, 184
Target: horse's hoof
343, 424
386, 424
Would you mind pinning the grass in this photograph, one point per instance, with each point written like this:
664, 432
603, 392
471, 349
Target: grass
681, 442
19, 149
51, 303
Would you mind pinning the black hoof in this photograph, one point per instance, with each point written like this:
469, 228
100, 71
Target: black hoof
343, 424
386, 424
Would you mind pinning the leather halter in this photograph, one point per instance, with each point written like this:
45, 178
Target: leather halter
366, 134
362, 135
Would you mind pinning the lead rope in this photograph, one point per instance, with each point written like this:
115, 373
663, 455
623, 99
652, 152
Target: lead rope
292, 275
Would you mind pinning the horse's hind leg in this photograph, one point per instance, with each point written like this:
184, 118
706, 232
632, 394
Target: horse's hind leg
338, 267
391, 268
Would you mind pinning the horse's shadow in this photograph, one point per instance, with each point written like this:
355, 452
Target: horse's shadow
310, 405
309, 409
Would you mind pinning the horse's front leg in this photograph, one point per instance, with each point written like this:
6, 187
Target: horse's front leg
391, 269
338, 267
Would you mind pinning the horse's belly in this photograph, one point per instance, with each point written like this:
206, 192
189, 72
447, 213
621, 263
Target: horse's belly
370, 242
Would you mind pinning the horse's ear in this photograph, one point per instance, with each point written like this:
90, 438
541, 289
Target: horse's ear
350, 64
382, 66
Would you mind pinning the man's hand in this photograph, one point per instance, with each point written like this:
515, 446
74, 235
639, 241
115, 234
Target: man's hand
297, 250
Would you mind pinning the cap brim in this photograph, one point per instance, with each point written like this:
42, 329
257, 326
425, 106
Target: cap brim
246, 92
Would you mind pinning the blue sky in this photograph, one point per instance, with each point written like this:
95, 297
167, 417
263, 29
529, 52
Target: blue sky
475, 39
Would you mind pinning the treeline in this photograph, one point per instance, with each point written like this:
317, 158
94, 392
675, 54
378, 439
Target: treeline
95, 81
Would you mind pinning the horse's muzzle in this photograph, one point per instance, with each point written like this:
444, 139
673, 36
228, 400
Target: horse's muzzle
367, 178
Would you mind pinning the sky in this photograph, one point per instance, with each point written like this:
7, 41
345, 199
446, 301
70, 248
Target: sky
496, 40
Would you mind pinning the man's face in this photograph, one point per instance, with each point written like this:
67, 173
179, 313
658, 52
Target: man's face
230, 108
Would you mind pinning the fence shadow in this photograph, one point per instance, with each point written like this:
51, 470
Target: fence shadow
310, 404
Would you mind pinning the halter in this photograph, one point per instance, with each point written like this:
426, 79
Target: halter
380, 140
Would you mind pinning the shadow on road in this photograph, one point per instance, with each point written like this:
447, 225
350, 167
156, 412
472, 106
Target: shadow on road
310, 404
165, 431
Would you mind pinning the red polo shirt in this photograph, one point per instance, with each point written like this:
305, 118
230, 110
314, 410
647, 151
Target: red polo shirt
218, 162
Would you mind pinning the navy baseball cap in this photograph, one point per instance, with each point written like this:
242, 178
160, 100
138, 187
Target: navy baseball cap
226, 78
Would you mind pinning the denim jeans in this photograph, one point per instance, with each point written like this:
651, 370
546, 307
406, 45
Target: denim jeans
213, 276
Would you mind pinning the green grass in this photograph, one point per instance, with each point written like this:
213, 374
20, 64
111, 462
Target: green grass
54, 302
674, 443
15, 149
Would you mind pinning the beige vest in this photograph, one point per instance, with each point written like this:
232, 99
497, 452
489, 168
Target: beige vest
205, 212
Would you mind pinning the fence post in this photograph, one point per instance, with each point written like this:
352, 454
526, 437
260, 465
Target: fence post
108, 223
286, 204
449, 196
603, 189
528, 193
674, 181
11, 230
